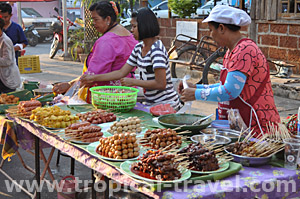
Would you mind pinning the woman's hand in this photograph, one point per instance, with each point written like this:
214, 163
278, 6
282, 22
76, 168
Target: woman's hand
180, 86
188, 94
86, 80
61, 87
127, 82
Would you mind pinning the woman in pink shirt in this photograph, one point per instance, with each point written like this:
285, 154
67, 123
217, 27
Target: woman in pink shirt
111, 51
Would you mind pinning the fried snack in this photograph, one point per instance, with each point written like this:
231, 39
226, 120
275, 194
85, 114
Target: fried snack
8, 99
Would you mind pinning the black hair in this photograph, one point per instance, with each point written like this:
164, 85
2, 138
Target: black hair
105, 9
1, 23
147, 23
5, 7
231, 27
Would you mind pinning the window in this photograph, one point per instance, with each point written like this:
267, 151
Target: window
163, 6
290, 7
30, 12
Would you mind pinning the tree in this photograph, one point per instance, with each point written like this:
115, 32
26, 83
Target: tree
184, 8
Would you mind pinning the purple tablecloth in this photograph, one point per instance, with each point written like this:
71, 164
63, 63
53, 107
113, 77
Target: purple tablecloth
14, 136
265, 182
249, 183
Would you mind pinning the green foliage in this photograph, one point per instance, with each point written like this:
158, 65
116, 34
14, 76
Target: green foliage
184, 8
76, 40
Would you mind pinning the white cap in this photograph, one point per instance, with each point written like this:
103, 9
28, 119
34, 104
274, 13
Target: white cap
228, 15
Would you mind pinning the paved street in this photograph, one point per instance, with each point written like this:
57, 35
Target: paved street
54, 70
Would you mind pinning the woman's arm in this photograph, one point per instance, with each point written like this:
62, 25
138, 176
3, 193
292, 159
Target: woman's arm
7, 58
159, 83
232, 88
114, 75
207, 85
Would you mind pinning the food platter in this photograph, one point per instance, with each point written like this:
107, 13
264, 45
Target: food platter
176, 120
213, 139
126, 168
249, 161
56, 129
92, 150
65, 137
223, 167
229, 133
106, 126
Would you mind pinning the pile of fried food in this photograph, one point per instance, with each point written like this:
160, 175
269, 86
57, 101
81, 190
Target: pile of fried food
119, 146
157, 165
8, 99
97, 117
83, 131
131, 124
160, 138
266, 145
200, 158
25, 108
53, 117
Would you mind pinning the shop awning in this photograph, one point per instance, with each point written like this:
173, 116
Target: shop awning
25, 0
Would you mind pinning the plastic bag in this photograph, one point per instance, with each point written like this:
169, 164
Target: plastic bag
187, 105
71, 97
235, 120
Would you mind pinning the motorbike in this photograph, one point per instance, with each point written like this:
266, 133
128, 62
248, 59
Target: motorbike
57, 28
32, 35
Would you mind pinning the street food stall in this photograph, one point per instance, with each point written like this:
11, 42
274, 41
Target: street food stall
172, 158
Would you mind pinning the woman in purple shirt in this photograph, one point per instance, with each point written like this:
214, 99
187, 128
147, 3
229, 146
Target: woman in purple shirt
111, 51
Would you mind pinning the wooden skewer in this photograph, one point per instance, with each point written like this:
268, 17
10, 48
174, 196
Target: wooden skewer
71, 130
184, 132
71, 134
73, 138
179, 127
167, 146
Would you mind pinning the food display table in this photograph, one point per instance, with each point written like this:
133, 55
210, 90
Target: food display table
247, 182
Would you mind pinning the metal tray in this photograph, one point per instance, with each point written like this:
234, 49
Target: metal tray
218, 139
249, 161
229, 133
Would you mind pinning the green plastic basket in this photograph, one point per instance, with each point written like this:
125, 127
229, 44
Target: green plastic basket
116, 98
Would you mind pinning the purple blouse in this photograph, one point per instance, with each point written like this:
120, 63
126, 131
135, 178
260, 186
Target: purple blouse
110, 52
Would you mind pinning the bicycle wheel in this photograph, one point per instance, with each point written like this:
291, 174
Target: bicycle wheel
180, 70
212, 68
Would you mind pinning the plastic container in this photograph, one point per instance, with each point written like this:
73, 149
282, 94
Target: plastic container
68, 185
223, 124
31, 85
29, 64
42, 91
292, 146
117, 98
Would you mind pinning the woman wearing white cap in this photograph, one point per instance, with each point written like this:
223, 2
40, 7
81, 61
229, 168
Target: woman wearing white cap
245, 79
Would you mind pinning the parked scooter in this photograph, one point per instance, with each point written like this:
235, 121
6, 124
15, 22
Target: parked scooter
57, 28
32, 35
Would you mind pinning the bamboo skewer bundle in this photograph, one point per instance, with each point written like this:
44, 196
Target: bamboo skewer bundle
266, 145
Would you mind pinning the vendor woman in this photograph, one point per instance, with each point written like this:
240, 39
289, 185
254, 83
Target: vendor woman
110, 52
151, 58
245, 79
